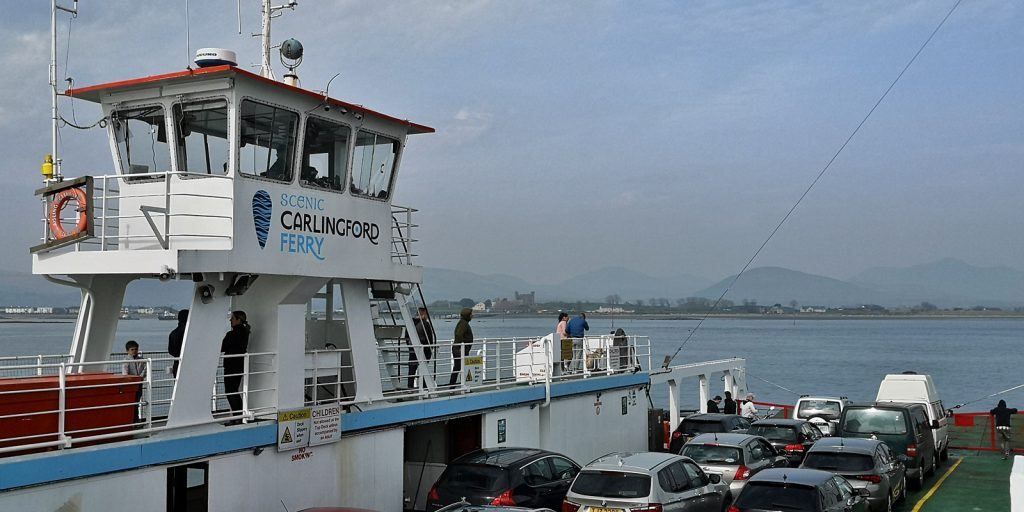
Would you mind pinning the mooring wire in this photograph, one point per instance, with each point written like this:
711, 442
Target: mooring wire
997, 393
780, 386
814, 182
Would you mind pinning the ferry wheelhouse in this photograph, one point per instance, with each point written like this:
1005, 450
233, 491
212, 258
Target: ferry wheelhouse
277, 201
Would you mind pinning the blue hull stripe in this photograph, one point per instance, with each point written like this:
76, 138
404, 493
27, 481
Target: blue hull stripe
36, 469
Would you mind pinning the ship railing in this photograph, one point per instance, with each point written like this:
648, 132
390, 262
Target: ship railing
155, 210
59, 405
329, 376
493, 363
401, 234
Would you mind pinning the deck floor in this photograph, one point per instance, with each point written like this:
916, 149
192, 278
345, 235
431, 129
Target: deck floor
976, 481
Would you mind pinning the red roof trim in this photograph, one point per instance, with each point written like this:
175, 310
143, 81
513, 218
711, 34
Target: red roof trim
417, 128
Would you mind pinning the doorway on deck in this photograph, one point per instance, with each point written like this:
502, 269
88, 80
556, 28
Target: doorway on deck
429, 447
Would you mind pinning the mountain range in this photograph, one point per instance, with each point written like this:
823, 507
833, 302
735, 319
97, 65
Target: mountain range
945, 283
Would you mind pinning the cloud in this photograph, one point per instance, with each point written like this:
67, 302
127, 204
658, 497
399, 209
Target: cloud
467, 126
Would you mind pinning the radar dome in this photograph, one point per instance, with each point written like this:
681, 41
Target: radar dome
207, 57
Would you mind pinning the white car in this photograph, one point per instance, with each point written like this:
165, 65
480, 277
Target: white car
821, 411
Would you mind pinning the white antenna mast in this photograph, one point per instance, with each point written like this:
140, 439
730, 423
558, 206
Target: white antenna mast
54, 117
269, 12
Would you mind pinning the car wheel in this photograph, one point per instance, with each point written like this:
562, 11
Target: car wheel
945, 453
903, 492
919, 481
935, 464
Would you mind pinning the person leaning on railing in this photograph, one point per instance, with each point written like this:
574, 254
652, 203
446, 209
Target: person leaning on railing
1005, 432
461, 344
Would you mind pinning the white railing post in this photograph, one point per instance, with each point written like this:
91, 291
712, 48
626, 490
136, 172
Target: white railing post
39, 364
103, 214
245, 385
147, 395
316, 380
61, 404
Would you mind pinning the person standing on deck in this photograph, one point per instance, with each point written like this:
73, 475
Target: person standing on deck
235, 344
749, 410
135, 366
1003, 428
562, 329
730, 404
577, 328
175, 340
462, 343
713, 404
427, 338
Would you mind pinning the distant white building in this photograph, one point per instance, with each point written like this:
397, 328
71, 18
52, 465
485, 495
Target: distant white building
480, 306
616, 309
813, 309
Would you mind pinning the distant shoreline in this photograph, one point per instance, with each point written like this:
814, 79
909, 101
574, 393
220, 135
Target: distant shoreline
757, 316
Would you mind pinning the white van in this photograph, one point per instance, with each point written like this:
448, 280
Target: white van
911, 387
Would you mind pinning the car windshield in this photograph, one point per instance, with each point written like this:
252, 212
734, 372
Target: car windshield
701, 426
612, 484
873, 420
472, 476
713, 454
771, 496
774, 433
827, 409
831, 461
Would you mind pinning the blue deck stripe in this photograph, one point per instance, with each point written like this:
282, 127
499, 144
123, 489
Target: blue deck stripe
27, 470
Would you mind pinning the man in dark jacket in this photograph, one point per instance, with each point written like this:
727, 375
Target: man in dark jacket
730, 404
463, 341
176, 338
1003, 415
713, 404
426, 337
577, 328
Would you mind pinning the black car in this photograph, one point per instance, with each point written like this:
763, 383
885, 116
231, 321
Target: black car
800, 490
791, 438
902, 426
525, 477
697, 424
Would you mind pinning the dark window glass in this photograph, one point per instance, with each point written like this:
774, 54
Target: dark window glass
825, 408
188, 488
768, 496
882, 421
682, 482
774, 433
267, 135
694, 427
372, 164
709, 454
538, 473
141, 137
695, 474
831, 461
202, 129
612, 484
471, 476
563, 468
324, 154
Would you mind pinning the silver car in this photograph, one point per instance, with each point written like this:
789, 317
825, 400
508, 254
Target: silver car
736, 457
647, 481
866, 464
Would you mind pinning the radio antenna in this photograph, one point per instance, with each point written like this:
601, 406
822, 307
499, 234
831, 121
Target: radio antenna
54, 116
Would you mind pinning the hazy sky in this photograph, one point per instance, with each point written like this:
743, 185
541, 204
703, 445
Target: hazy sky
666, 137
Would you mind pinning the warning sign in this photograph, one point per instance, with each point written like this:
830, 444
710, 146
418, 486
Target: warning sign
326, 427
293, 429
473, 373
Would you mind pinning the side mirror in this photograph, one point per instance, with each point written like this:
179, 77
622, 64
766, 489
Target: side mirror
715, 478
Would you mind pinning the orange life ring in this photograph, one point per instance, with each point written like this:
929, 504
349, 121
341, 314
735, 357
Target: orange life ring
60, 200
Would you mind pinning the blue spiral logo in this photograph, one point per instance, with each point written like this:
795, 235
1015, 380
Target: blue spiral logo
261, 209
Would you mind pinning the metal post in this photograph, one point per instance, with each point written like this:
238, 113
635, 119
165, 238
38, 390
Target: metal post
316, 379
147, 395
245, 384
61, 404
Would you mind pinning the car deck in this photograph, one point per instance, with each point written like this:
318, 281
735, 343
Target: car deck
969, 480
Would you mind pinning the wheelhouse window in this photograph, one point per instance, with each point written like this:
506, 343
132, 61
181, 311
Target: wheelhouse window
202, 136
372, 164
267, 141
141, 137
324, 154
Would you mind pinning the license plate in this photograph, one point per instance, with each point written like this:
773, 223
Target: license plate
600, 509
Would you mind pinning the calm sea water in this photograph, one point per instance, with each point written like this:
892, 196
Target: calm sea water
969, 358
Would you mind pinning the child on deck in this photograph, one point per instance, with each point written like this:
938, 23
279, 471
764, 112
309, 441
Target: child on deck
135, 366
